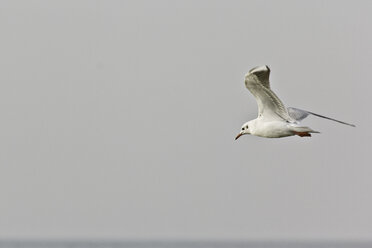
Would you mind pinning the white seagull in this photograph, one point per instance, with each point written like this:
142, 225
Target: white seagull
274, 119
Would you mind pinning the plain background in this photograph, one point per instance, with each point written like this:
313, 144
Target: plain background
118, 120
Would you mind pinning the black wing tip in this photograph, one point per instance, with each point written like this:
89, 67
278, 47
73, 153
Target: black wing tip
260, 71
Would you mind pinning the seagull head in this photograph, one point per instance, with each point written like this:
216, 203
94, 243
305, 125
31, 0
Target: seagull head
244, 130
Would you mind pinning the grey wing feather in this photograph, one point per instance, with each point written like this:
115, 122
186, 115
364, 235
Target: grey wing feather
299, 115
263, 74
269, 105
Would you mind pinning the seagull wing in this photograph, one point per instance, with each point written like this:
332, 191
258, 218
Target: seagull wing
269, 105
299, 115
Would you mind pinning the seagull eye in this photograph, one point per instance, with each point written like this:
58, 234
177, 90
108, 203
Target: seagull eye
242, 128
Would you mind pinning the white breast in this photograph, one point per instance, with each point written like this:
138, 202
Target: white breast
271, 129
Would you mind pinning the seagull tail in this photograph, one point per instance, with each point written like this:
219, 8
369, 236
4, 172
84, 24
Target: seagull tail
304, 130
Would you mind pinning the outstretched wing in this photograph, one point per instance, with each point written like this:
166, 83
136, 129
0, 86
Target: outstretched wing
269, 105
299, 115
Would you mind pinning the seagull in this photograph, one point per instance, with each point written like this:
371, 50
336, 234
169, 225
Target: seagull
274, 119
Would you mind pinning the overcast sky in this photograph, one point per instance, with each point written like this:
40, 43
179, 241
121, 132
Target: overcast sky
118, 120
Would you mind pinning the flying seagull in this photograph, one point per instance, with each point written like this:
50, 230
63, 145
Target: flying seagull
274, 119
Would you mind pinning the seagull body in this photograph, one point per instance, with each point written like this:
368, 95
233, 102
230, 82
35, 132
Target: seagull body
274, 119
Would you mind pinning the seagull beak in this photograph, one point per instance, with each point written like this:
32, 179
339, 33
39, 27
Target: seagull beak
237, 137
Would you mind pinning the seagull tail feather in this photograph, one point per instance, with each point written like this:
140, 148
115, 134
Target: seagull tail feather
304, 130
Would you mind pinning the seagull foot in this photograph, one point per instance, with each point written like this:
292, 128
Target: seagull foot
302, 134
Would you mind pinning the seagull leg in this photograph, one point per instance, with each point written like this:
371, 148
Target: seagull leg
302, 134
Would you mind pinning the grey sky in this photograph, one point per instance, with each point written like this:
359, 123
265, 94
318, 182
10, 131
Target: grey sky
118, 120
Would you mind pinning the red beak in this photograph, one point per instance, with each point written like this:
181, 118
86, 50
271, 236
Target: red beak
237, 137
